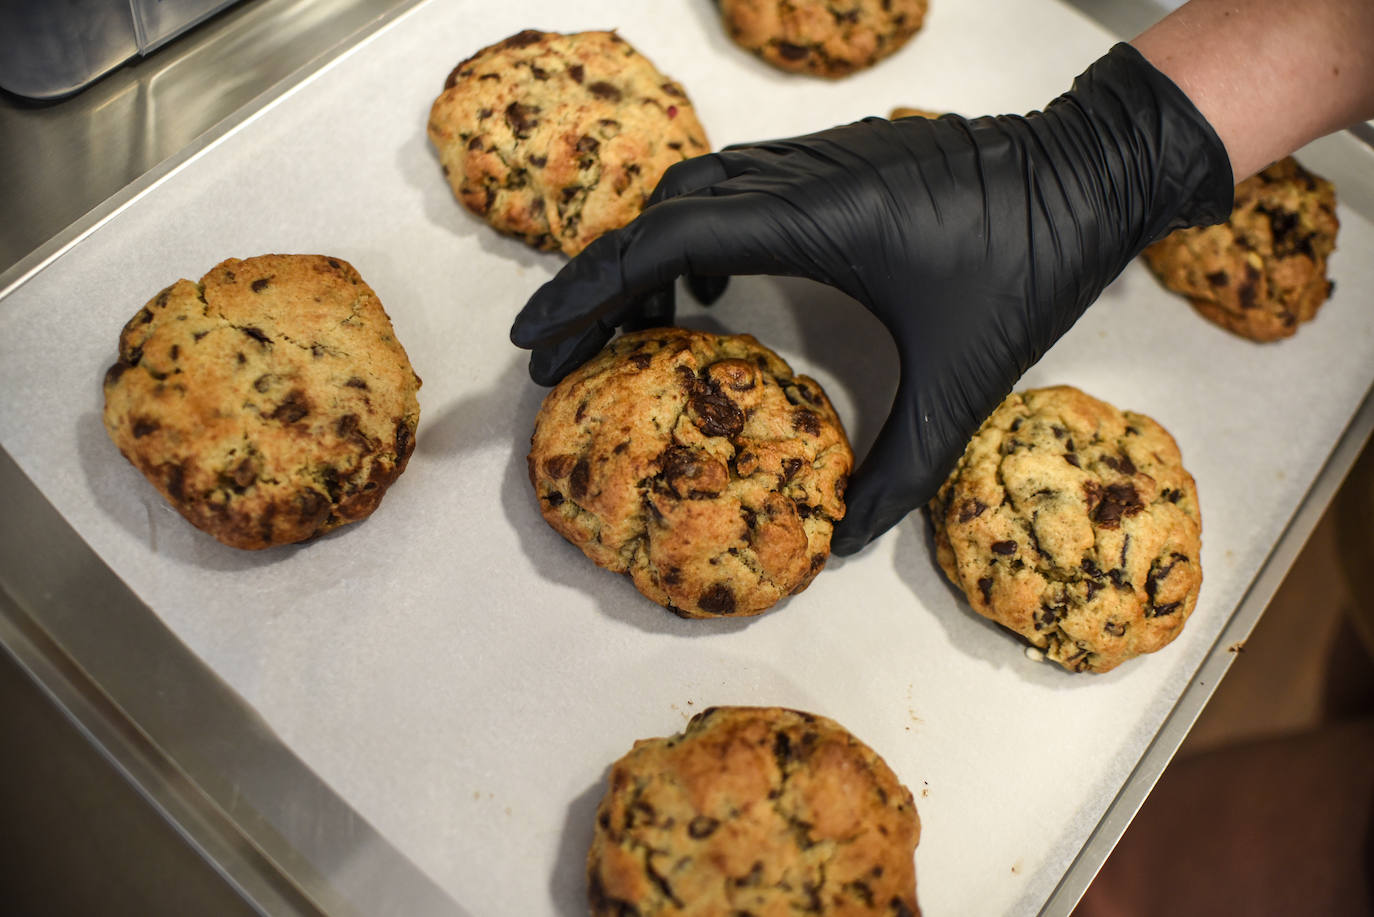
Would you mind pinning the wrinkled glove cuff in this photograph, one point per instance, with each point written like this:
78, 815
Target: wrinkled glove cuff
1175, 160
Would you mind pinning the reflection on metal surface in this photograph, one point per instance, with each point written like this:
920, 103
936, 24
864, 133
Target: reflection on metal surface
200, 756
60, 159
206, 760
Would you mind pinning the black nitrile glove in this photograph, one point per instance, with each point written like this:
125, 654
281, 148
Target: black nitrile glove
977, 243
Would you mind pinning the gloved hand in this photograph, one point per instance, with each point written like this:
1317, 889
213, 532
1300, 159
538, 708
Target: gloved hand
977, 243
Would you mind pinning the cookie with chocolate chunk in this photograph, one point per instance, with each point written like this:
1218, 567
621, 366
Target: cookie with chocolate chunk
560, 138
754, 810
1075, 525
1263, 272
269, 402
830, 38
698, 464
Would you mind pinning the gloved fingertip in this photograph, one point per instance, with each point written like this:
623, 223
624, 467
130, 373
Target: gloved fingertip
654, 310
848, 540
548, 365
707, 289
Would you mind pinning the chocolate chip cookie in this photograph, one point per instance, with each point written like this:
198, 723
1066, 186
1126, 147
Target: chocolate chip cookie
1262, 272
269, 402
1075, 525
698, 464
830, 38
754, 810
560, 138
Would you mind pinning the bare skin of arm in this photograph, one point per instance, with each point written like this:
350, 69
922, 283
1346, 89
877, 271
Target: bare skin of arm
1270, 75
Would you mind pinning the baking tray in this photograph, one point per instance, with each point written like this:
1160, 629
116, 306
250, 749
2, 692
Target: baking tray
446, 683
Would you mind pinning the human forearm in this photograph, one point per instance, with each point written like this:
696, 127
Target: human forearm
1269, 75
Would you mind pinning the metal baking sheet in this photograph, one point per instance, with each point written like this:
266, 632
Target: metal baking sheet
459, 675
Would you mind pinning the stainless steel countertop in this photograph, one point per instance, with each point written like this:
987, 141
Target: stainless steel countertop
61, 160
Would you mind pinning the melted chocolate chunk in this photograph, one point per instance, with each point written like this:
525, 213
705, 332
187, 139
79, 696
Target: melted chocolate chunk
260, 284
783, 752
1049, 615
176, 481
703, 826
114, 372
789, 51
521, 118
1004, 547
604, 90
985, 587
971, 510
1114, 502
578, 479
256, 334
691, 474
240, 477
577, 73
294, 407
1120, 463
559, 466
1248, 289
806, 421
717, 600
717, 415
144, 426
521, 39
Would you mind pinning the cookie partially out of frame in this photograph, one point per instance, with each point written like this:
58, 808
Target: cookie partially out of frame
754, 810
698, 464
557, 138
269, 402
830, 38
1263, 272
902, 111
1075, 525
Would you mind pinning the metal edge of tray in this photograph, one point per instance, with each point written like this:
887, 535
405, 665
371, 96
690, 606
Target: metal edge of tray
1215, 664
38, 259
130, 723
157, 714
187, 743
1126, 19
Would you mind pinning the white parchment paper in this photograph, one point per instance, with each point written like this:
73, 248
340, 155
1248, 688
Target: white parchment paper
463, 677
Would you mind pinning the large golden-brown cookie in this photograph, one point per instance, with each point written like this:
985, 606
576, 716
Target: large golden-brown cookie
560, 138
754, 810
698, 464
1075, 525
269, 402
1263, 272
830, 38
